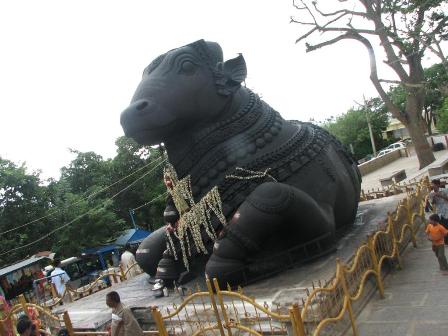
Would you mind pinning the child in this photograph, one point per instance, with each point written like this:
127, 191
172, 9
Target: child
436, 233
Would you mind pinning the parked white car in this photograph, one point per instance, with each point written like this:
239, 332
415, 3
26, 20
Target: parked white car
384, 152
397, 145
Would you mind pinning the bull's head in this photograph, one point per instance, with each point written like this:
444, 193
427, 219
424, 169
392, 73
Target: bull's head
182, 89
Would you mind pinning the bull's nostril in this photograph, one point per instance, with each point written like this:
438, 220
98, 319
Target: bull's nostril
141, 105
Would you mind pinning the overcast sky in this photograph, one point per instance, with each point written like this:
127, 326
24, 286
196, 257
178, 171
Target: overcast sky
68, 68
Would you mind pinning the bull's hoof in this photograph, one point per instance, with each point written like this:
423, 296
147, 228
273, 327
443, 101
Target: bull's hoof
169, 270
226, 271
150, 251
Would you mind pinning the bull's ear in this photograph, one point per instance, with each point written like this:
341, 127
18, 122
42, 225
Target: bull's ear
235, 69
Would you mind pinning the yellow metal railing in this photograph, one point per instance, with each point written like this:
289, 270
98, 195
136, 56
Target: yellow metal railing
225, 312
98, 284
43, 315
328, 305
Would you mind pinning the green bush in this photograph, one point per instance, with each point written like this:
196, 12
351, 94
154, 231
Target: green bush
442, 120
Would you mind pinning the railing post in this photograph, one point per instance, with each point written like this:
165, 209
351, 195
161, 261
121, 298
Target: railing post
376, 266
408, 210
296, 320
2, 328
409, 218
159, 321
395, 248
413, 235
426, 182
54, 294
114, 277
23, 302
68, 293
340, 272
123, 275
223, 308
68, 324
215, 308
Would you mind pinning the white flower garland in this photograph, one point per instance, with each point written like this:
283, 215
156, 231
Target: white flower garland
193, 216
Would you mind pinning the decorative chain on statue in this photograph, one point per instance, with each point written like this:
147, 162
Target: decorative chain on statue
193, 216
248, 174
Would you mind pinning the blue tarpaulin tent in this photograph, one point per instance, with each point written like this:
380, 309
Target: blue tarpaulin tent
132, 237
100, 249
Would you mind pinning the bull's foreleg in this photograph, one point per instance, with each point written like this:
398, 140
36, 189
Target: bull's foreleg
151, 251
274, 216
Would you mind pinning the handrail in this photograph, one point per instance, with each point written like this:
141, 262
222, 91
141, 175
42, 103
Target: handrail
85, 289
255, 304
91, 284
324, 322
317, 290
383, 244
129, 269
355, 260
184, 303
19, 307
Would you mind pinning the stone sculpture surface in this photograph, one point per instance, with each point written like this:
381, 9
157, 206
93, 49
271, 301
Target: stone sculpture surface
281, 184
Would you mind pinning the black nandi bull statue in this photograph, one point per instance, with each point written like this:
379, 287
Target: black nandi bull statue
281, 184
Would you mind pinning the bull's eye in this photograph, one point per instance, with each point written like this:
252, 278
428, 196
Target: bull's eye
187, 67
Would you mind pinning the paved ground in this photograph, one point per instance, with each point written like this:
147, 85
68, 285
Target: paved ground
409, 164
416, 299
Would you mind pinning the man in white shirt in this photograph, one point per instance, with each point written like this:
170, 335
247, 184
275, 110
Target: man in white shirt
127, 260
59, 277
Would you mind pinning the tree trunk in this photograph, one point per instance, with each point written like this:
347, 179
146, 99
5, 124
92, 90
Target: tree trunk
414, 125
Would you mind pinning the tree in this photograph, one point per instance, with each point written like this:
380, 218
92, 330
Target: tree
129, 178
85, 171
436, 89
84, 222
442, 123
23, 199
88, 206
405, 29
351, 128
436, 78
133, 157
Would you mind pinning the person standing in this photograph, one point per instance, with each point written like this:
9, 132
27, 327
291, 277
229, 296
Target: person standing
127, 260
123, 321
59, 278
436, 233
439, 198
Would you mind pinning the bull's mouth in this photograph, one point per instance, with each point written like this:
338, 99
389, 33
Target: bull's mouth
149, 135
